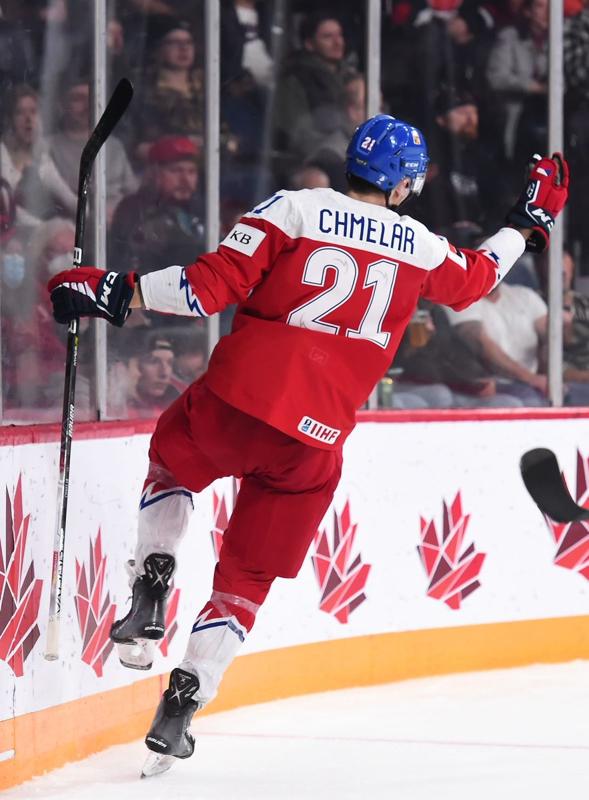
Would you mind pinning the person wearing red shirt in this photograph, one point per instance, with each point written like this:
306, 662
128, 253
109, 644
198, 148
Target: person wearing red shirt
325, 285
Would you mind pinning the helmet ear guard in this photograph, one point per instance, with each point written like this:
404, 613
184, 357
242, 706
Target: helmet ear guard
384, 150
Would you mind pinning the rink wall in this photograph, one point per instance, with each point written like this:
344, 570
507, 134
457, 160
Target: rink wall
432, 559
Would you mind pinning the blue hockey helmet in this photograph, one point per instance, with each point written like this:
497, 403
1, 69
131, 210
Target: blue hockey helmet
384, 150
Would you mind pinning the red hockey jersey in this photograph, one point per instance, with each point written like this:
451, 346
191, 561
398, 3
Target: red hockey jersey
325, 287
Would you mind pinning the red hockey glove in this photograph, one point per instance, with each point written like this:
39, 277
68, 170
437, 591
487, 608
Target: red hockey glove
91, 292
542, 200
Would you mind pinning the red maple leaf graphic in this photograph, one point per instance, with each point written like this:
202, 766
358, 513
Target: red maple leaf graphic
572, 538
341, 580
20, 591
222, 509
453, 574
171, 623
95, 611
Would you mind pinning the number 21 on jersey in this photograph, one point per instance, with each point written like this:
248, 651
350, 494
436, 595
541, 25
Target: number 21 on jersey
380, 278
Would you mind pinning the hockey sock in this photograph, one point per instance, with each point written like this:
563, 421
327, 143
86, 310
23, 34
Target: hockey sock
164, 512
217, 635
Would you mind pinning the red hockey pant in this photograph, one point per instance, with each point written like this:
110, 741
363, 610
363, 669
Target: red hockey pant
286, 487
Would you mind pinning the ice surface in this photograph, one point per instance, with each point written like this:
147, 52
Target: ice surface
502, 735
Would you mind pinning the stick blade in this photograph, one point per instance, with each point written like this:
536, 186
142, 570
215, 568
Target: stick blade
543, 480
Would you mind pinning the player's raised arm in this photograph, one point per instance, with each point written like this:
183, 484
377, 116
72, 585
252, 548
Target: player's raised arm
464, 276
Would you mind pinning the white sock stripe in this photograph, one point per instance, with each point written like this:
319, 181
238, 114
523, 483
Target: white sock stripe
203, 623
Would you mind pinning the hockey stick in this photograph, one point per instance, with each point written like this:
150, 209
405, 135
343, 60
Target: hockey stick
543, 479
116, 107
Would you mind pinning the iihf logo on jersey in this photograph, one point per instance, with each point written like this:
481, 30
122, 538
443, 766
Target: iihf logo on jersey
341, 579
453, 574
317, 430
572, 538
20, 591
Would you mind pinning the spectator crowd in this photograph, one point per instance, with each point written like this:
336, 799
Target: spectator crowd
471, 74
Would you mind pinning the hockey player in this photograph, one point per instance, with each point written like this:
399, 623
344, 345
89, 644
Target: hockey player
325, 284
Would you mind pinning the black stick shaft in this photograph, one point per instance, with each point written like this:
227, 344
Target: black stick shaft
116, 107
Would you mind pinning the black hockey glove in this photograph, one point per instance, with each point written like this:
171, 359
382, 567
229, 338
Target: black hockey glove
542, 200
92, 292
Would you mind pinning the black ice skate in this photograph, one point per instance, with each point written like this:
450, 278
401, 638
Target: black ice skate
169, 737
135, 634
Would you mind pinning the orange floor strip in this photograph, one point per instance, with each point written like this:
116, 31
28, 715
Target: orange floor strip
47, 739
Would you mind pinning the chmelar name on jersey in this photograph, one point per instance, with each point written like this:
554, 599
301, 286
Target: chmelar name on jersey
366, 229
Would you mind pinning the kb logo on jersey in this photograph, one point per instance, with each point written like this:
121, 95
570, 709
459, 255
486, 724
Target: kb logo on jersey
317, 430
240, 236
244, 238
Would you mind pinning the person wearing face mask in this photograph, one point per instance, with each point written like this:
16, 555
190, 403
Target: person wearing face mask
36, 343
11, 248
13, 264
12, 275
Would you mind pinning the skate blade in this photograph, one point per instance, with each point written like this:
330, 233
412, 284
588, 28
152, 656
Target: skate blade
155, 764
138, 654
